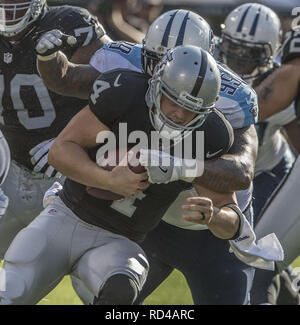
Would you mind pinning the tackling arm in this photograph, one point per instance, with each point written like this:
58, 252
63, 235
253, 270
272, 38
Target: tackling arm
69, 78
210, 209
235, 170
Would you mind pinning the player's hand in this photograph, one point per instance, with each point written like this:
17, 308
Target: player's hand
125, 182
51, 194
39, 159
51, 42
159, 166
201, 210
164, 168
3, 203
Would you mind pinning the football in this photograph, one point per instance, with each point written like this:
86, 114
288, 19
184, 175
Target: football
108, 162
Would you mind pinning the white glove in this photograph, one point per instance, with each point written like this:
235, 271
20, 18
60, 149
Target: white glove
164, 168
51, 194
51, 42
4, 200
39, 159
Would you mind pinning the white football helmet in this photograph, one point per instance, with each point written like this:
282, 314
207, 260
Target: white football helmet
189, 77
250, 40
171, 29
16, 16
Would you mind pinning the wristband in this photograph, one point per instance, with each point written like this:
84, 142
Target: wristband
48, 57
237, 210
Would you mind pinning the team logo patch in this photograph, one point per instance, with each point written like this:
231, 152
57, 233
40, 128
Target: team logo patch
7, 58
52, 211
253, 110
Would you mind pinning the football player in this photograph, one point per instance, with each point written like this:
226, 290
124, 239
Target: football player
30, 113
237, 102
275, 92
249, 44
96, 239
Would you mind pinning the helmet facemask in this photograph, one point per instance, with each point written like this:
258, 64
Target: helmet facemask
15, 17
249, 60
149, 59
250, 40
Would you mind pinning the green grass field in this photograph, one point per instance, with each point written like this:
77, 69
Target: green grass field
174, 291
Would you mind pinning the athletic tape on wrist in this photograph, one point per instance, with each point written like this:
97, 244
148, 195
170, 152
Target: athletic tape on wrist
48, 57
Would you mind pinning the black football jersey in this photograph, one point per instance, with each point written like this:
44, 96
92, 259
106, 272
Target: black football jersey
291, 50
119, 97
29, 112
291, 46
4, 158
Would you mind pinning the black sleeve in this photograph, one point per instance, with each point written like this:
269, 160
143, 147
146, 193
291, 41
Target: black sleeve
291, 49
218, 135
115, 93
73, 21
4, 158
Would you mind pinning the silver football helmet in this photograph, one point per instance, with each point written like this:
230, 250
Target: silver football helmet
171, 29
189, 77
16, 16
250, 40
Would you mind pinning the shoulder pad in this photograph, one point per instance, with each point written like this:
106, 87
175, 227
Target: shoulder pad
72, 21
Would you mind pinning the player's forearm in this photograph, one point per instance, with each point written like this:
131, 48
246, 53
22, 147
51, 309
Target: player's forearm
279, 90
66, 78
72, 161
210, 209
225, 223
233, 171
228, 173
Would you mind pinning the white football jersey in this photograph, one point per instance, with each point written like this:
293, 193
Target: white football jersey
272, 144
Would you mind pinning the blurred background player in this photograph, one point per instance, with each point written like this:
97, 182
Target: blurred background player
281, 213
30, 113
249, 44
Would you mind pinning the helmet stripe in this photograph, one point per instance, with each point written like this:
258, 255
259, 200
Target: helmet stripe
240, 26
165, 39
182, 30
254, 25
201, 74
